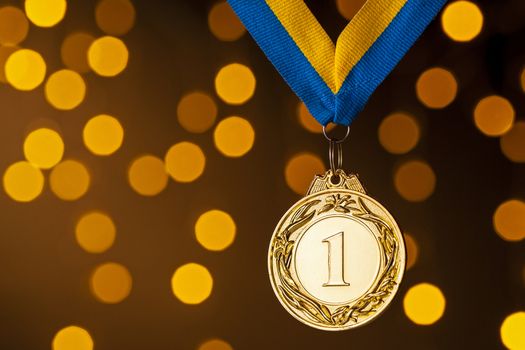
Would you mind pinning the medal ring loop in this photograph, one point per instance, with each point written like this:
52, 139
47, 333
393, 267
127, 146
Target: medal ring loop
335, 156
332, 139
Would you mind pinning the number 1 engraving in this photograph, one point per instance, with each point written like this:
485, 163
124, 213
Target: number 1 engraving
336, 269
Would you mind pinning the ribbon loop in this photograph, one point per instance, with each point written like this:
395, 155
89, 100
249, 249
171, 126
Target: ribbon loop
335, 81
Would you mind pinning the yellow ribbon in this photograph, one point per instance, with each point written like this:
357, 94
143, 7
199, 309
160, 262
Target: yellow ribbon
334, 62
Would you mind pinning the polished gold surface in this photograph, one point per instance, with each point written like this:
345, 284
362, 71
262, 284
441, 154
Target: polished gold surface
337, 256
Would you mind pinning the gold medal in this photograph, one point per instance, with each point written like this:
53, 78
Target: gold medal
337, 256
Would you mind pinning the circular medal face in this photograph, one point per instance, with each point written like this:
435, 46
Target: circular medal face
336, 259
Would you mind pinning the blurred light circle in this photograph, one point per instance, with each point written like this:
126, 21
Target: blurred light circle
43, 148
103, 135
235, 84
424, 304
234, 136
13, 26
224, 23
415, 181
65, 89
192, 283
300, 171
349, 8
215, 230
522, 79
25, 69
462, 20
494, 115
147, 175
412, 250
115, 17
5, 52
45, 13
108, 56
436, 88
196, 112
512, 331
23, 182
95, 232
399, 133
185, 162
215, 344
72, 338
69, 180
308, 121
509, 220
74, 51
111, 283
513, 143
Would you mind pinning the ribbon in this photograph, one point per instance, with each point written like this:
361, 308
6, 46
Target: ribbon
335, 81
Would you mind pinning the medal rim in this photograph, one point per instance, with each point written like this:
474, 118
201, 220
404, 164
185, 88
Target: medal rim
399, 279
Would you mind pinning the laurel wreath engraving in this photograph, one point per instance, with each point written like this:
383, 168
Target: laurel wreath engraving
315, 310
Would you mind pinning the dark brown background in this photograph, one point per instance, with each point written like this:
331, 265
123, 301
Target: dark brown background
43, 284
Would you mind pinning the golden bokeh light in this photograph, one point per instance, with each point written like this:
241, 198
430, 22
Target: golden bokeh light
424, 304
185, 162
103, 135
72, 338
147, 175
74, 51
111, 283
522, 79
43, 148
349, 8
192, 283
224, 23
45, 13
65, 89
412, 250
494, 115
436, 88
215, 344
115, 17
235, 84
512, 331
5, 52
69, 180
95, 232
215, 230
513, 143
509, 220
196, 112
25, 69
308, 122
108, 56
234, 136
462, 20
399, 133
13, 26
300, 171
415, 181
23, 182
